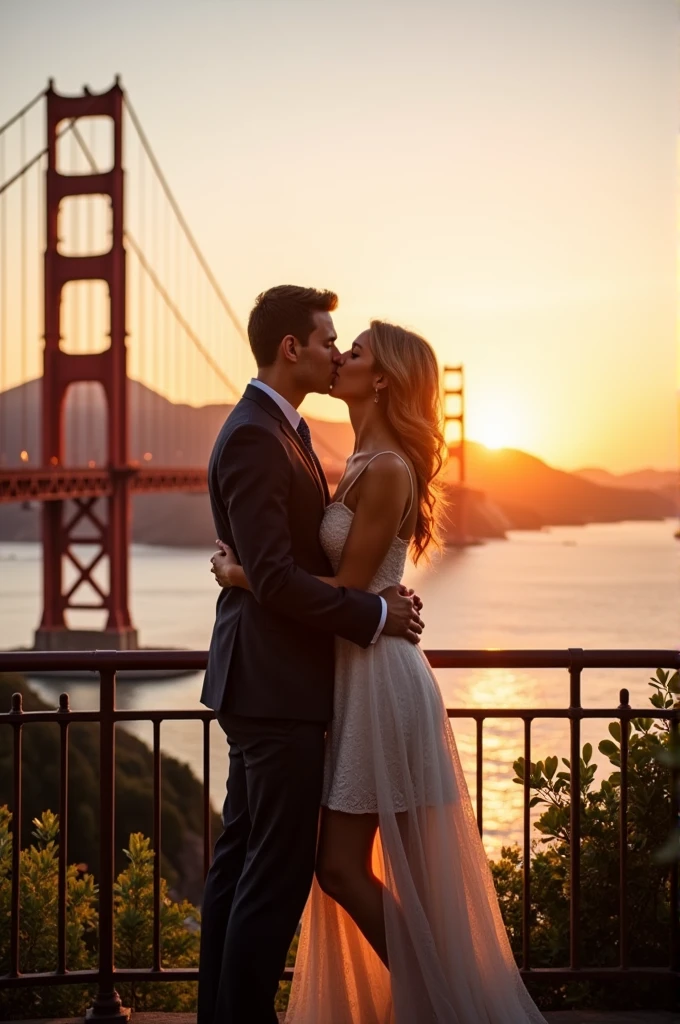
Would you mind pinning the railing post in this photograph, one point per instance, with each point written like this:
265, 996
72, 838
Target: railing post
675, 825
575, 667
526, 856
157, 818
624, 705
207, 845
107, 1005
480, 776
64, 709
16, 709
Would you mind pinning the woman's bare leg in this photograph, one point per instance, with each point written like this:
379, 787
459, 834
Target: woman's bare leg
344, 872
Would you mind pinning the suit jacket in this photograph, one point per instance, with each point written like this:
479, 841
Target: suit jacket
272, 649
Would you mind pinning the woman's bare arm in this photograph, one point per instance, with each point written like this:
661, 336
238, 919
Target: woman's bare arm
383, 495
384, 492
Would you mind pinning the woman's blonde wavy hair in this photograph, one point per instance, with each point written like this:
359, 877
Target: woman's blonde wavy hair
414, 410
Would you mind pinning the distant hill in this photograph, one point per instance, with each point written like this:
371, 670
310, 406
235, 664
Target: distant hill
509, 489
532, 493
641, 479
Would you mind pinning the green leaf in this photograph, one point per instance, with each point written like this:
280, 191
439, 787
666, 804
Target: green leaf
674, 683
615, 731
587, 752
607, 748
550, 766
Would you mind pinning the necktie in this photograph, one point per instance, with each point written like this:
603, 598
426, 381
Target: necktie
306, 435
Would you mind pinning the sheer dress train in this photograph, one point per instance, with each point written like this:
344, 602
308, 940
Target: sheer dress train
390, 750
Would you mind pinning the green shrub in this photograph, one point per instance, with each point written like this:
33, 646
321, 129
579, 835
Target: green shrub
133, 924
648, 882
38, 922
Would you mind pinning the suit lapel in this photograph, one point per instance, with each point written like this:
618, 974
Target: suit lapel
293, 436
266, 403
326, 492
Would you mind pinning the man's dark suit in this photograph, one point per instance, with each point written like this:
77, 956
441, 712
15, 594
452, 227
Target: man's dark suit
270, 678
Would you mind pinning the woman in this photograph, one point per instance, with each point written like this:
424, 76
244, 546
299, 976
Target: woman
402, 924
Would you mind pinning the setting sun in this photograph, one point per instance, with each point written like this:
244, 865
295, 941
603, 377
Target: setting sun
495, 424
494, 435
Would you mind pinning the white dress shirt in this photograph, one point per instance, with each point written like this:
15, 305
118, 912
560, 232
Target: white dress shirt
294, 417
288, 410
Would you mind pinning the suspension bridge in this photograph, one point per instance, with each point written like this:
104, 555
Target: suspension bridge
119, 350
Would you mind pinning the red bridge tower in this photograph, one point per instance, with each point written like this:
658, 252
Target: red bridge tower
108, 538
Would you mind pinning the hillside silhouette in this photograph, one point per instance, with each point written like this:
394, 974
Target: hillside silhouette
508, 489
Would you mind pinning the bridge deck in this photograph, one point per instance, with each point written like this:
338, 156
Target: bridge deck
61, 484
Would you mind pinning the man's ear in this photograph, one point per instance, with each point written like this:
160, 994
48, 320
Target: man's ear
288, 348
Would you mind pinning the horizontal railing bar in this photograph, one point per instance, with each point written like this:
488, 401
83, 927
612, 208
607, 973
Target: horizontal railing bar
198, 715
191, 974
11, 661
575, 713
58, 661
553, 659
189, 715
34, 717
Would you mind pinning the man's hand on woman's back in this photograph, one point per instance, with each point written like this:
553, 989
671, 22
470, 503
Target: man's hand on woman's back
402, 616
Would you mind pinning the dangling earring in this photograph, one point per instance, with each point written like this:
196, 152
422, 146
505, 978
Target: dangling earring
377, 396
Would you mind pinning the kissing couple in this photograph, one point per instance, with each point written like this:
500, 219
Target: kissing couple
346, 802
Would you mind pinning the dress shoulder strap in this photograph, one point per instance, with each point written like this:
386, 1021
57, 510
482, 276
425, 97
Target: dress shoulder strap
373, 457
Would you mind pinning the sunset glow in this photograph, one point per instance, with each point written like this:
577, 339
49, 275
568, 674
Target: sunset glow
495, 428
500, 177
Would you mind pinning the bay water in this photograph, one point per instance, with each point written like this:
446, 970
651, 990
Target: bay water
600, 586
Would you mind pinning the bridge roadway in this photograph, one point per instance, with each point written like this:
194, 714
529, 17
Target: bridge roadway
60, 484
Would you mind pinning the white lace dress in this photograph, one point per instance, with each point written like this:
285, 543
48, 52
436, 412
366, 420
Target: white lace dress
390, 750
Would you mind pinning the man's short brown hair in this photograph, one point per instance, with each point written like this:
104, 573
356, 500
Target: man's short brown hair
285, 309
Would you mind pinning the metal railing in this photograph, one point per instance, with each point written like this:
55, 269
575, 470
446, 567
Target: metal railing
107, 663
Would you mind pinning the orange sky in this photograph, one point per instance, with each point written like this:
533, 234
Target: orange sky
501, 177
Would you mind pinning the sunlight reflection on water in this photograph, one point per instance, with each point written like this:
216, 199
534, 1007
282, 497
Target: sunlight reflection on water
607, 586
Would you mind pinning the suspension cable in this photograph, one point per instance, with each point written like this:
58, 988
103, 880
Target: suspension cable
175, 311
34, 160
156, 282
23, 296
180, 216
4, 346
24, 110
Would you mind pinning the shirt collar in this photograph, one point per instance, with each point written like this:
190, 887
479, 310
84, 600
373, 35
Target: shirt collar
288, 410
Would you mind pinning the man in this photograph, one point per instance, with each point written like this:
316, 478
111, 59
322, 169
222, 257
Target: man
271, 660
